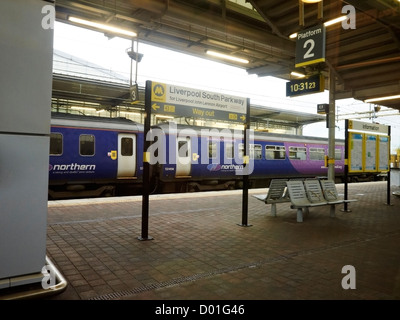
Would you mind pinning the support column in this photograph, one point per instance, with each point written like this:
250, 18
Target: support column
331, 123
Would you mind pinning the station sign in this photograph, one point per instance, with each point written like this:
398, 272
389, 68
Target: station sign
299, 87
134, 93
323, 108
310, 46
188, 102
372, 127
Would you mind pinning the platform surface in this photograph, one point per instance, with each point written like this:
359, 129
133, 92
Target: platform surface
201, 251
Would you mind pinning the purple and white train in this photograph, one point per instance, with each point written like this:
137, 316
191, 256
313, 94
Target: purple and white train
93, 156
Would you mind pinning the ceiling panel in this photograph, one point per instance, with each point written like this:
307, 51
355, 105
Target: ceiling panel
365, 60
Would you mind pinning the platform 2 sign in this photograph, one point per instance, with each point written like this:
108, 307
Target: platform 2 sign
310, 46
299, 87
188, 102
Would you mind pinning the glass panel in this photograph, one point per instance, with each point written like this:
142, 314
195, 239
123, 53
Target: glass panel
338, 154
183, 149
297, 153
317, 154
229, 151
56, 144
86, 145
212, 150
127, 147
255, 151
275, 152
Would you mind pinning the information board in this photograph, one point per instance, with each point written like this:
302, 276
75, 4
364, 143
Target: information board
355, 152
368, 147
370, 153
188, 102
384, 152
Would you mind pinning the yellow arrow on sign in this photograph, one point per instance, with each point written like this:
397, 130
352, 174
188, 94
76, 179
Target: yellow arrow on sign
243, 117
155, 106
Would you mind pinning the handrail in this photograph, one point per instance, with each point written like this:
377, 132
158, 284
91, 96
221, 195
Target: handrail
60, 286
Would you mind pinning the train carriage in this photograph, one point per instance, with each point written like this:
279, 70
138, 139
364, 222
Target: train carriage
94, 156
90, 156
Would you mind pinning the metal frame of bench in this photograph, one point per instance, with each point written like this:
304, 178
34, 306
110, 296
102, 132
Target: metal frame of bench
277, 193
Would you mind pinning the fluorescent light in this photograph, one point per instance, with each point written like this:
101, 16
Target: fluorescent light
164, 117
336, 20
225, 56
102, 26
83, 108
297, 74
382, 98
222, 44
326, 24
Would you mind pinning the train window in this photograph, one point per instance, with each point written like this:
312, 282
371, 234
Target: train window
317, 153
229, 151
255, 151
56, 144
241, 151
183, 149
126, 147
338, 154
275, 152
212, 150
86, 145
297, 153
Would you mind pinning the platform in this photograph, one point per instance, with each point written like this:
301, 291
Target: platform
200, 251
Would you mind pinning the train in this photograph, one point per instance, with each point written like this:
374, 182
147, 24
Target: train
98, 157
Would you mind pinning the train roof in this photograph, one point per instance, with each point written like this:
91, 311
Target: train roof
75, 120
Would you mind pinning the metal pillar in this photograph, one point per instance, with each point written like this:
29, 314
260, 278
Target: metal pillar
331, 124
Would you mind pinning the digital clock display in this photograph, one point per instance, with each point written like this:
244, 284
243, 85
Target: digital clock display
304, 86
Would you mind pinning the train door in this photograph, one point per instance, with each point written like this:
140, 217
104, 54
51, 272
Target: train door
183, 160
126, 155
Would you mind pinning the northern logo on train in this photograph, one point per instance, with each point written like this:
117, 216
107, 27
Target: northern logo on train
214, 167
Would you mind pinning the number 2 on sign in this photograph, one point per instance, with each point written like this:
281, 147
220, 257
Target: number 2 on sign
311, 44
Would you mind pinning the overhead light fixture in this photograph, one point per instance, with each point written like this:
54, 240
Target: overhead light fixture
163, 117
382, 98
83, 108
311, 1
225, 56
297, 74
222, 44
102, 26
336, 20
326, 24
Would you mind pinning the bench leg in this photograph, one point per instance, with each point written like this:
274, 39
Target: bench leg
332, 211
273, 209
299, 215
